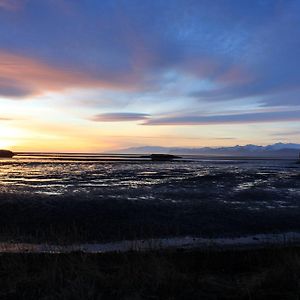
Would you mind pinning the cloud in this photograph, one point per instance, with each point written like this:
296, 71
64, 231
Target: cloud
5, 119
287, 133
270, 93
243, 49
171, 137
22, 76
11, 4
291, 98
120, 117
245, 118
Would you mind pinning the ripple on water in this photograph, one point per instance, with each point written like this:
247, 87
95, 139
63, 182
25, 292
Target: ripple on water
225, 181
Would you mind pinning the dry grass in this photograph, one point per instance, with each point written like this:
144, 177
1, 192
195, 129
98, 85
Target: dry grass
245, 274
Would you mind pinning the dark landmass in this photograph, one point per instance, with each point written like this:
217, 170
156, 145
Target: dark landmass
100, 157
278, 150
259, 274
6, 154
161, 157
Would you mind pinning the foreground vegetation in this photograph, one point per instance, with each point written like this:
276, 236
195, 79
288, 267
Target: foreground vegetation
74, 219
232, 274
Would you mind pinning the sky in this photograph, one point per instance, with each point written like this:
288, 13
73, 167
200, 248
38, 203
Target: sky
95, 76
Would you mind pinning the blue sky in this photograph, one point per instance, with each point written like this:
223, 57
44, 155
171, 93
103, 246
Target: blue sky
100, 75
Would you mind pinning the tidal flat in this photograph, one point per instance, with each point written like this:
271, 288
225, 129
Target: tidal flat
197, 229
70, 201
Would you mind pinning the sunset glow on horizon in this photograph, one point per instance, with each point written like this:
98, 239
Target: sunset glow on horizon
98, 76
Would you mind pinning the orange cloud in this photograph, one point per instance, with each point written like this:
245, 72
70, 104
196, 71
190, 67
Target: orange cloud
22, 76
4, 119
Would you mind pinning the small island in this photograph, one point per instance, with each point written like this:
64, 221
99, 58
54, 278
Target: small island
163, 157
6, 154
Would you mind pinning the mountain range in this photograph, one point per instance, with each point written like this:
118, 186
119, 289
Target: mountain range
284, 150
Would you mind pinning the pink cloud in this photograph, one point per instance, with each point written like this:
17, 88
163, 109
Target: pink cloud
201, 67
23, 76
236, 75
217, 71
11, 4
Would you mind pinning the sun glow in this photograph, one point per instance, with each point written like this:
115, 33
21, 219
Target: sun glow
10, 136
5, 144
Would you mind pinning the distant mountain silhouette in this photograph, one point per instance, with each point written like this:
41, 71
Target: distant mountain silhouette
283, 150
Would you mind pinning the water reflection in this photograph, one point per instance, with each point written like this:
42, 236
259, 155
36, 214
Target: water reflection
264, 183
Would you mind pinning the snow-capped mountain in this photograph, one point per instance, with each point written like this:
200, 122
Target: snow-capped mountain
283, 150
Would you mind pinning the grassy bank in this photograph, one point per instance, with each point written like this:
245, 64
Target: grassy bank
272, 273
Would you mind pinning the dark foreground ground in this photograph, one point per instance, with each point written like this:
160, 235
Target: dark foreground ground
65, 220
77, 202
232, 274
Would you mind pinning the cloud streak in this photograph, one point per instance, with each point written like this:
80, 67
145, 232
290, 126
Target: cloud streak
287, 133
5, 119
120, 117
245, 118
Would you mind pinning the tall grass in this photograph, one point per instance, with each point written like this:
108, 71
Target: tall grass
272, 273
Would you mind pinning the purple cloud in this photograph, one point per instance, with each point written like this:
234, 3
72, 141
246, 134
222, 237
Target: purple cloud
246, 118
11, 4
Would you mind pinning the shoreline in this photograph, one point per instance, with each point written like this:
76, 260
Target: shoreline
176, 243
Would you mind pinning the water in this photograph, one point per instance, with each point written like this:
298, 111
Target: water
267, 183
103, 198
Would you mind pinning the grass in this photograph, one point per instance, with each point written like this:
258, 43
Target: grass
272, 273
65, 220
